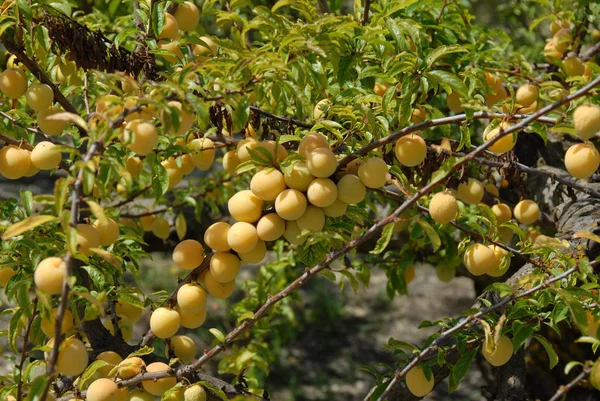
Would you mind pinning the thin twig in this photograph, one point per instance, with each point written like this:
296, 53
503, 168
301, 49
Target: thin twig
288, 120
563, 390
365, 20
24, 350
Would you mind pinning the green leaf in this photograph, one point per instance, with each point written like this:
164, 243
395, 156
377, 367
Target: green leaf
26, 225
432, 234
552, 357
218, 335
27, 201
441, 52
448, 81
384, 240
215, 390
158, 17
576, 308
141, 352
36, 388
460, 369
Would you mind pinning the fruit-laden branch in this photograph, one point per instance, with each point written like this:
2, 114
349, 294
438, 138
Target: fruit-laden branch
32, 66
532, 170
457, 119
193, 275
186, 370
563, 390
462, 324
470, 156
24, 145
288, 120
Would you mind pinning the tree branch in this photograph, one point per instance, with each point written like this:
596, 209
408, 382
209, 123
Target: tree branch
34, 313
563, 390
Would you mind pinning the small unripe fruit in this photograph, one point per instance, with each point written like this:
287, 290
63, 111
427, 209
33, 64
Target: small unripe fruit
87, 237
194, 393
291, 204
582, 160
311, 142
479, 259
50, 126
561, 40
216, 288
336, 209
586, 119
526, 94
502, 212
191, 320
170, 29
411, 150
501, 354
270, 227
298, 176
140, 136
373, 173
46, 156
351, 190
161, 228
131, 367
267, 184
574, 66
48, 323
243, 146
14, 162
321, 162
6, 274
292, 233
321, 108
417, 383
313, 219
125, 326
203, 160
191, 298
454, 103
72, 357
527, 212
13, 83
188, 254
112, 358
470, 192
164, 322
445, 273
245, 206
256, 255
50, 274
187, 16
109, 231
215, 236
159, 386
231, 161
102, 390
443, 208
225, 266
39, 96
322, 192
184, 348
504, 144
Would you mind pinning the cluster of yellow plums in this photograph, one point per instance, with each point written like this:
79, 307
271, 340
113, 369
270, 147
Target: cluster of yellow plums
496, 353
